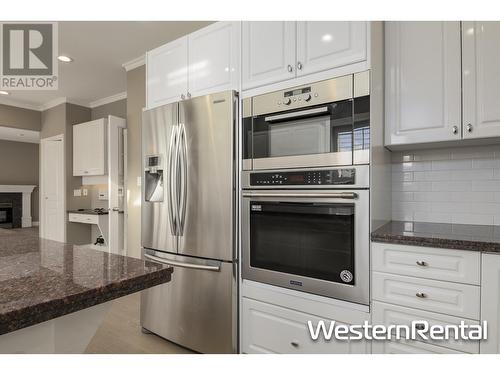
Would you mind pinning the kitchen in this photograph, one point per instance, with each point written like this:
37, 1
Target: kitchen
351, 176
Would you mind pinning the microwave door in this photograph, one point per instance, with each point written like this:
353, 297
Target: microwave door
207, 172
159, 131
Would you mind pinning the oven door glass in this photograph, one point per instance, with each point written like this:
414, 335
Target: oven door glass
314, 240
316, 130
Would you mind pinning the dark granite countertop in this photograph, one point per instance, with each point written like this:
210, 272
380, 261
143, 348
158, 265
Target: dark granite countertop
484, 238
42, 280
88, 212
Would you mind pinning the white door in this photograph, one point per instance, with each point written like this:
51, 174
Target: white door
329, 44
268, 52
167, 73
214, 58
481, 79
490, 302
116, 186
423, 82
53, 217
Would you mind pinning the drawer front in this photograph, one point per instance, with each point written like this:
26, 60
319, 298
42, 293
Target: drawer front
432, 263
438, 296
386, 315
409, 347
272, 329
83, 218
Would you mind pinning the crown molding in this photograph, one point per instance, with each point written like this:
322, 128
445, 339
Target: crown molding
52, 103
135, 63
109, 99
18, 103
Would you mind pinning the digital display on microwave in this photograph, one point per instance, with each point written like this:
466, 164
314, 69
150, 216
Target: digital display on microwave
303, 90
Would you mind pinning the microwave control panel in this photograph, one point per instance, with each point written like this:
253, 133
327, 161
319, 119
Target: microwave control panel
328, 177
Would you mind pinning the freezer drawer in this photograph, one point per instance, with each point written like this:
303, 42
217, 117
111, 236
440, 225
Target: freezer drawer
197, 309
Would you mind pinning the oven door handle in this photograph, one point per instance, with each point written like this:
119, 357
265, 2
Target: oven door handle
307, 112
341, 195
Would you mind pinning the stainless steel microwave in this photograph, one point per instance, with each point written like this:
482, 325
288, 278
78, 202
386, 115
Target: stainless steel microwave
322, 124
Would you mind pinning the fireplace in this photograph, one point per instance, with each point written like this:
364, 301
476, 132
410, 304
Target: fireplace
11, 210
5, 215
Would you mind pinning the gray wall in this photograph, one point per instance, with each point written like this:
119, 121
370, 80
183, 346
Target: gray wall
118, 108
21, 118
19, 166
19, 160
136, 101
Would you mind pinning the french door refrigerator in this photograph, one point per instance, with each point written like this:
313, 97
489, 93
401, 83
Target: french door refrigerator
189, 216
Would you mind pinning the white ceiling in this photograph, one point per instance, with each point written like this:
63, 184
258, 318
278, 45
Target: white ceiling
99, 49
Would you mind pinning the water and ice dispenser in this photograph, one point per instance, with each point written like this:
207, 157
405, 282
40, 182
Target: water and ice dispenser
153, 179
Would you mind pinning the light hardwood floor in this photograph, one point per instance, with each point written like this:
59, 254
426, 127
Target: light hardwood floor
120, 333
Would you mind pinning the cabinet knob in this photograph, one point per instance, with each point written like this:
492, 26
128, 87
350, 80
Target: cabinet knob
469, 128
290, 68
183, 96
454, 130
420, 326
299, 65
421, 263
421, 295
188, 95
295, 344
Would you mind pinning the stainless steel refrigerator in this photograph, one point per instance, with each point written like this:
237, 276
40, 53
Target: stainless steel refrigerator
189, 205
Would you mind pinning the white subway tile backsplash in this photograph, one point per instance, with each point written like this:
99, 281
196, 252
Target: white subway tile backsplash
451, 185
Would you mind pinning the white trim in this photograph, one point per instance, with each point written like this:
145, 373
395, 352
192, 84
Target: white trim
109, 99
36, 223
52, 103
135, 63
8, 133
19, 104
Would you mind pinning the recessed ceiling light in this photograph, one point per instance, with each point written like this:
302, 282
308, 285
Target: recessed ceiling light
4, 93
64, 58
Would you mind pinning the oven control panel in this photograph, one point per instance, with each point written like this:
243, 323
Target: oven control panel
328, 177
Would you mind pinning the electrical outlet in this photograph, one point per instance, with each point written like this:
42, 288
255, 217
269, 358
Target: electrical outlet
85, 192
77, 193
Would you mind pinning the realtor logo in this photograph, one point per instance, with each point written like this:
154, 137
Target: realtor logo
28, 58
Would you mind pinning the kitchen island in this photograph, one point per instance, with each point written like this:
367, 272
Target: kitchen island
53, 295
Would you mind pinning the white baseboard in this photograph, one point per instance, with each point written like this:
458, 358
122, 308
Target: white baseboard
35, 223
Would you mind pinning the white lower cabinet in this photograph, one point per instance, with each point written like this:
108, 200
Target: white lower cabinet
409, 347
387, 314
269, 328
490, 302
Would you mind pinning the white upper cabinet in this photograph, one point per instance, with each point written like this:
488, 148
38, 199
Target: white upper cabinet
481, 79
89, 148
268, 52
275, 51
167, 73
214, 63
422, 88
329, 44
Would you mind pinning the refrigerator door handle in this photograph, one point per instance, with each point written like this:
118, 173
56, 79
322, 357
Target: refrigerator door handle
206, 267
182, 178
172, 173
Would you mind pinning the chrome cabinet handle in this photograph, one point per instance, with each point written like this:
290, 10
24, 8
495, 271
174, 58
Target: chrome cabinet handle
454, 130
290, 68
176, 263
421, 263
183, 96
344, 195
421, 295
188, 94
299, 65
420, 326
469, 128
295, 344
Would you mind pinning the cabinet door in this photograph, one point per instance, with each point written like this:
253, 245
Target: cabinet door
167, 73
481, 79
89, 148
214, 58
423, 92
490, 302
329, 44
268, 52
